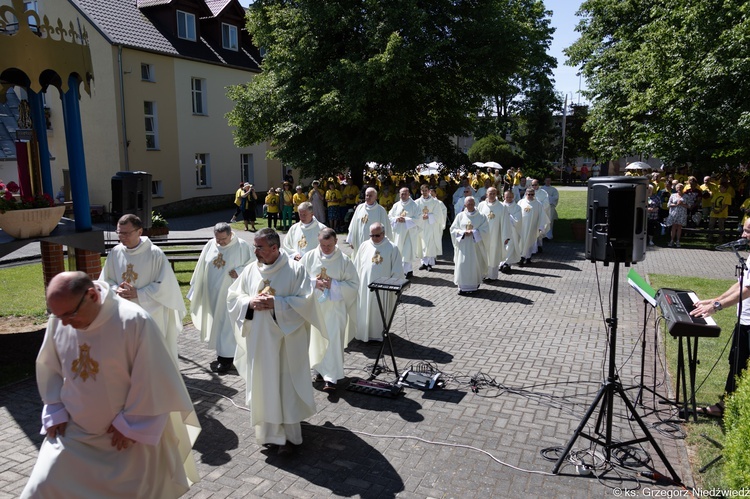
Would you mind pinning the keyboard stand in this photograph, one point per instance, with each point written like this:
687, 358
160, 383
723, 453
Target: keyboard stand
376, 369
692, 355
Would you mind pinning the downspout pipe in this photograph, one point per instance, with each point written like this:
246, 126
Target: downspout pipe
125, 141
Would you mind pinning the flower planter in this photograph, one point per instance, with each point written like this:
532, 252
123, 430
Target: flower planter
37, 222
156, 231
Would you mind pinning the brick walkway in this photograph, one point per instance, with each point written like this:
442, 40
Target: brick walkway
538, 333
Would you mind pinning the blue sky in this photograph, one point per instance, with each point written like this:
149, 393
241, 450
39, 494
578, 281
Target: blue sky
564, 20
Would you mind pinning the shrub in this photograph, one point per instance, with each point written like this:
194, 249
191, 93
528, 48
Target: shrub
737, 441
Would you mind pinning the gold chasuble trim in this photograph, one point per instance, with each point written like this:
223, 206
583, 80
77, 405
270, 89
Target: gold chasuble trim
267, 290
219, 261
377, 259
130, 275
84, 366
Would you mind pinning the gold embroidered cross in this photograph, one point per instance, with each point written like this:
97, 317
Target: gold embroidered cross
404, 214
84, 366
425, 211
129, 276
491, 215
527, 209
365, 219
377, 259
302, 243
469, 226
267, 290
219, 261
322, 274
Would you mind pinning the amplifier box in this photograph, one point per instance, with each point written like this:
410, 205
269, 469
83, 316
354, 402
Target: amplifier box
420, 380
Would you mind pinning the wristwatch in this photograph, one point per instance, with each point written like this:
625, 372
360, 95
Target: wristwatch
717, 306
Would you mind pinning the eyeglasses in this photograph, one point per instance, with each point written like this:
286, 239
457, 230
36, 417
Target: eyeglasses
531, 194
377, 235
72, 314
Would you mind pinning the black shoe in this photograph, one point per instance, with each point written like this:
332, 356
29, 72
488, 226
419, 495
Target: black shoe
409, 275
285, 450
461, 293
317, 378
522, 263
539, 250
221, 367
330, 386
505, 268
423, 267
429, 268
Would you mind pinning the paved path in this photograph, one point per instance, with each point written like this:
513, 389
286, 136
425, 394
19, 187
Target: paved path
538, 335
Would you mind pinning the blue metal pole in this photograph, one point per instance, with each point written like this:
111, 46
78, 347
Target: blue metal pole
76, 158
40, 128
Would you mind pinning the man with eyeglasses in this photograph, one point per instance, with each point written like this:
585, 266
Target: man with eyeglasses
335, 284
366, 214
377, 258
271, 304
222, 260
533, 223
139, 271
115, 405
468, 233
406, 225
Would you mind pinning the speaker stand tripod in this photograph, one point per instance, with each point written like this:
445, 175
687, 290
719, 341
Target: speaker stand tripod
604, 400
642, 384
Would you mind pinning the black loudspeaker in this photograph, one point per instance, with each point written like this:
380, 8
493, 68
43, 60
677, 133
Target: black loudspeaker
616, 219
131, 193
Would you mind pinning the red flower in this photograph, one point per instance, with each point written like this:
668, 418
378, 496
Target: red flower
13, 187
8, 196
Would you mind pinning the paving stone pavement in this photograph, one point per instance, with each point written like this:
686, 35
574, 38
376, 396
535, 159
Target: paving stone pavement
538, 334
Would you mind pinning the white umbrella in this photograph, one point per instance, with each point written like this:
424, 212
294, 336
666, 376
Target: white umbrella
638, 165
429, 169
493, 165
479, 164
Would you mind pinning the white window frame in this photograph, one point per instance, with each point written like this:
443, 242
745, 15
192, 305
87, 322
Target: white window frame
186, 25
198, 93
157, 189
247, 167
202, 170
147, 72
152, 122
230, 37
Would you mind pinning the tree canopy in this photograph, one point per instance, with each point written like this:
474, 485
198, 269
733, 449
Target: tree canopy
345, 82
667, 77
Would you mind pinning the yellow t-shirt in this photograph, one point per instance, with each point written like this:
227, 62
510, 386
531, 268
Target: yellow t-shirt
351, 192
720, 203
387, 200
298, 199
272, 203
333, 197
744, 208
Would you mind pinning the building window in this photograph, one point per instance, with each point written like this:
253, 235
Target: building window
185, 25
229, 36
247, 169
198, 86
147, 72
152, 132
157, 189
202, 170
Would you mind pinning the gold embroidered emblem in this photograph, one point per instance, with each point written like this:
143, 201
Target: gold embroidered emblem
527, 209
491, 215
365, 219
377, 259
425, 211
84, 366
219, 261
404, 214
130, 275
469, 226
302, 243
323, 274
267, 290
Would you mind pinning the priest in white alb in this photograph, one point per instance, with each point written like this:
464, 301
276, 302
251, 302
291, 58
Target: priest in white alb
117, 418
271, 305
139, 271
510, 233
302, 236
378, 258
431, 211
222, 260
336, 283
543, 198
533, 223
468, 233
406, 224
365, 215
494, 211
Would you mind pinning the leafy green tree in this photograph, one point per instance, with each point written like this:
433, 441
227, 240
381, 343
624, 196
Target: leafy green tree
345, 82
538, 136
577, 136
493, 148
667, 77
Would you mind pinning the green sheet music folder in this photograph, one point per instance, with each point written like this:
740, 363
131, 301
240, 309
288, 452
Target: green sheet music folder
638, 283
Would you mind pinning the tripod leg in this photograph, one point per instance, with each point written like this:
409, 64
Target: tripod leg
599, 396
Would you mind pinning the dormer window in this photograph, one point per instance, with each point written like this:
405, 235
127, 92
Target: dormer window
185, 25
229, 36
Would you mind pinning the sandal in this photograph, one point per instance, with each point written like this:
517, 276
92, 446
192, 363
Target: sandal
712, 411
